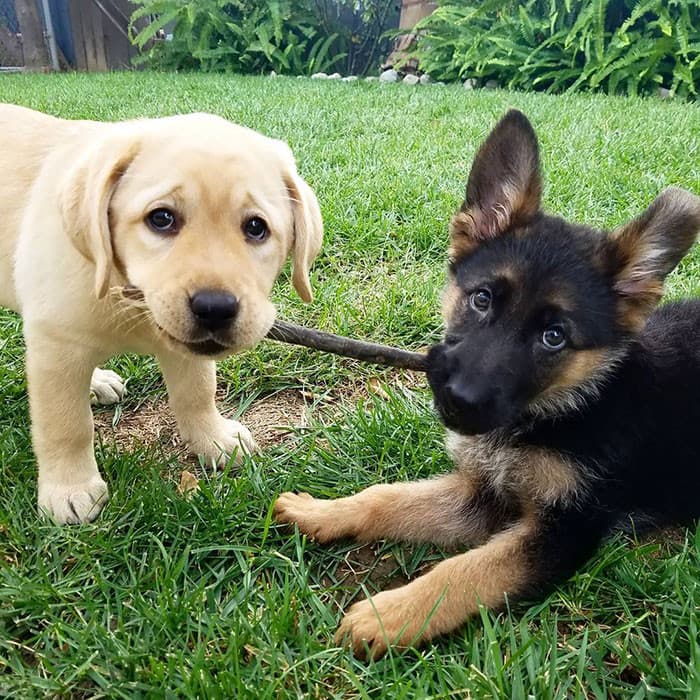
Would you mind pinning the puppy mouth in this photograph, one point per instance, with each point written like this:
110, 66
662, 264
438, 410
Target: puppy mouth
467, 419
474, 425
207, 347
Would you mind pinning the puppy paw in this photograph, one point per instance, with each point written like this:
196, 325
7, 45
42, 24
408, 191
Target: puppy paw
315, 517
230, 438
390, 618
70, 504
106, 387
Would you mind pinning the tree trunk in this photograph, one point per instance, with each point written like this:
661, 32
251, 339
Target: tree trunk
36, 57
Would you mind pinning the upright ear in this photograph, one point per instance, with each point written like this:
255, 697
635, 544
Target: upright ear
84, 200
308, 232
649, 247
504, 188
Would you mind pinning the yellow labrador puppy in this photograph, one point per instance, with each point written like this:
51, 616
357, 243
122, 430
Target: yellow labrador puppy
196, 212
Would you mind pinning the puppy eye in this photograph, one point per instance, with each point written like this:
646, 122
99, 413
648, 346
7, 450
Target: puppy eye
480, 300
554, 338
256, 229
162, 220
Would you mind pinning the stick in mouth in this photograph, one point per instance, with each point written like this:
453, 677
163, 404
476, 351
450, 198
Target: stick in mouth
348, 347
329, 342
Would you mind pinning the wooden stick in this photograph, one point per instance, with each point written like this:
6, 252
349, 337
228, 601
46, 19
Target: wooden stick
340, 345
328, 342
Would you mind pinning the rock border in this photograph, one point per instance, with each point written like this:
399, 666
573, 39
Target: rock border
390, 75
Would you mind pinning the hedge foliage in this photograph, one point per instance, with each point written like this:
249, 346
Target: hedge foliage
617, 46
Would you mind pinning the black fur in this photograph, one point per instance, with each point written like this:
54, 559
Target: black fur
619, 402
507, 365
573, 407
639, 439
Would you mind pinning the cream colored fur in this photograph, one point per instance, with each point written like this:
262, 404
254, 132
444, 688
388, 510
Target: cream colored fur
74, 196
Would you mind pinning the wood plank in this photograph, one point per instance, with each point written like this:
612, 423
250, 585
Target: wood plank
36, 57
76, 27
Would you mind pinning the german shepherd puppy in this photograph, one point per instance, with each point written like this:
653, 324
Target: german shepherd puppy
572, 407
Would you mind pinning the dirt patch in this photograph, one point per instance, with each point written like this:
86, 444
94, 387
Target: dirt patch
370, 566
150, 425
275, 418
398, 380
365, 565
272, 420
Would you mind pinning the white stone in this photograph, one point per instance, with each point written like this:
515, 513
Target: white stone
425, 79
411, 79
319, 76
492, 85
389, 76
664, 93
371, 79
471, 84
273, 74
349, 78
334, 76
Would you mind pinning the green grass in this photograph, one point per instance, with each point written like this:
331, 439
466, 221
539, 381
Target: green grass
164, 597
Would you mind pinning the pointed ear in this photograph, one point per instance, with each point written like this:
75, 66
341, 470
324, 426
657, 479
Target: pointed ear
308, 232
648, 248
504, 188
84, 201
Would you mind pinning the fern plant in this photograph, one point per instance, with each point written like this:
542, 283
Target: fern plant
245, 36
617, 46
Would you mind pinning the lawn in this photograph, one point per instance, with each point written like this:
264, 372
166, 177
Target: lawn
166, 596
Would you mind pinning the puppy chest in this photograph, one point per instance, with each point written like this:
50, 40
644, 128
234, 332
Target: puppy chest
533, 474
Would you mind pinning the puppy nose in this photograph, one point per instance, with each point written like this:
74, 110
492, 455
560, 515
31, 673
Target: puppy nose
213, 309
465, 396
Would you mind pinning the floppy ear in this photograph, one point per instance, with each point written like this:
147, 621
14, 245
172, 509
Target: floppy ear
84, 202
504, 187
308, 232
648, 248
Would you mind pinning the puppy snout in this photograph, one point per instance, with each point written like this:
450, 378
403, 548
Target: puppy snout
214, 309
466, 397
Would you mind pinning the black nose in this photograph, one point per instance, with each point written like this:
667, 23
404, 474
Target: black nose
214, 310
467, 397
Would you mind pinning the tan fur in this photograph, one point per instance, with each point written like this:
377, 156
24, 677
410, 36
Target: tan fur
443, 599
453, 300
633, 313
463, 234
518, 201
537, 476
421, 511
437, 511
424, 511
648, 248
577, 368
548, 478
73, 234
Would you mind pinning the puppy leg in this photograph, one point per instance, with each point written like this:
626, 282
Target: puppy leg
440, 600
525, 559
446, 511
191, 386
106, 387
70, 487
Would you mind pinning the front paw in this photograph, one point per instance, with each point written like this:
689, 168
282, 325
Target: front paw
315, 517
106, 387
390, 618
71, 504
229, 439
